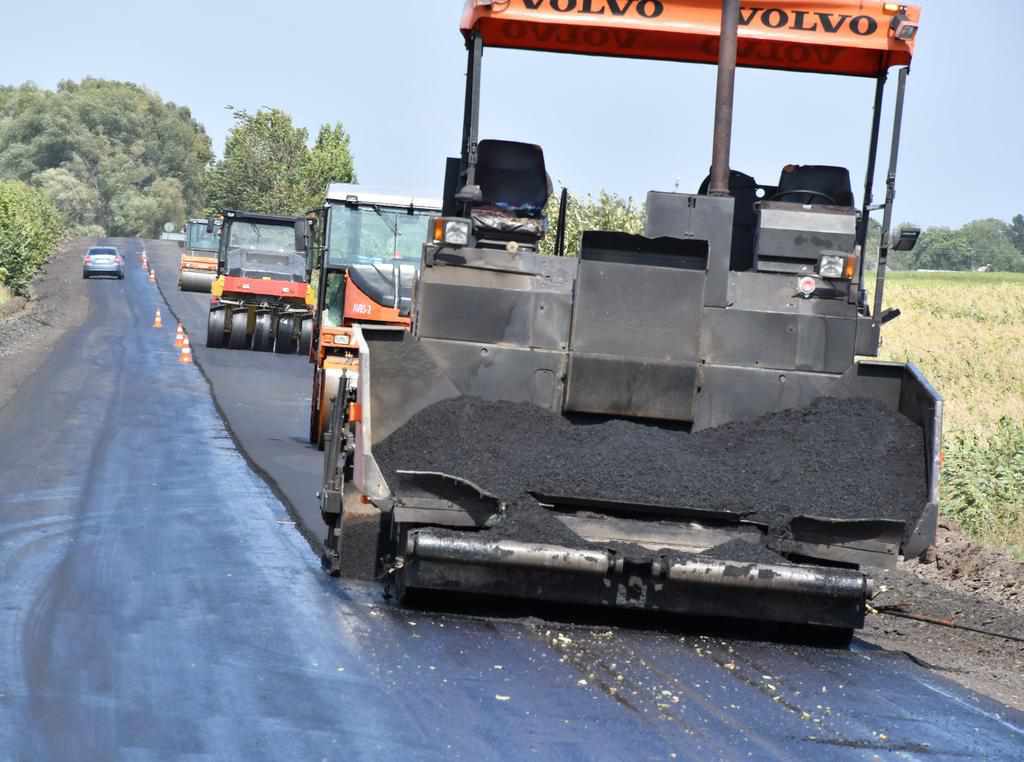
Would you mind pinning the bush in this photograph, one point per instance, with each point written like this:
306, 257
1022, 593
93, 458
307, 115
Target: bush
983, 482
607, 212
30, 229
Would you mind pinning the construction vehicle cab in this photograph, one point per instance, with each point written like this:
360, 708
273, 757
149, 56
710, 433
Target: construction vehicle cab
740, 300
197, 268
261, 299
367, 248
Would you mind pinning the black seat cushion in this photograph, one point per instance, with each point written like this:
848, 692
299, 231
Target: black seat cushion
492, 222
512, 177
832, 181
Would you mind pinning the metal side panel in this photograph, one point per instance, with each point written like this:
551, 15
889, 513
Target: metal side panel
638, 311
731, 393
773, 292
707, 218
529, 304
920, 402
636, 333
397, 379
470, 563
400, 375
904, 388
496, 372
777, 340
629, 387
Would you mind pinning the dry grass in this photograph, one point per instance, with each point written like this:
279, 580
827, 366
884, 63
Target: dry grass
966, 332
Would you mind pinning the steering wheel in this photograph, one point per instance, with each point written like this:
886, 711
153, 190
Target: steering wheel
778, 196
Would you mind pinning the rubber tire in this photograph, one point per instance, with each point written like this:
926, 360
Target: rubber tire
215, 328
239, 338
263, 333
305, 336
286, 342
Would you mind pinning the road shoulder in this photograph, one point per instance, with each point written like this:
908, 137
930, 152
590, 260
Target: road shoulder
59, 302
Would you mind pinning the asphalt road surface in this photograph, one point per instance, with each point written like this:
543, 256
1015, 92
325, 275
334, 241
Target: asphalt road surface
157, 603
263, 397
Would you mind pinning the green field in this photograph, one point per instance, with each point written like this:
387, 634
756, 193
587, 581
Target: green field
966, 332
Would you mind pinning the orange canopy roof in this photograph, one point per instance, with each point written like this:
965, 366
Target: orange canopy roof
825, 36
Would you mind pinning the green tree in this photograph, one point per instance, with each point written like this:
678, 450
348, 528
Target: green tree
147, 211
30, 228
115, 139
77, 201
981, 243
989, 244
269, 167
330, 161
1016, 232
607, 212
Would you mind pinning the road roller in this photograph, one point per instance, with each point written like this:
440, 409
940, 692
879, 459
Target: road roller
197, 268
261, 299
366, 253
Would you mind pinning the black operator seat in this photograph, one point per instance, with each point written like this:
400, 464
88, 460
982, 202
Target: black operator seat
744, 221
515, 187
815, 184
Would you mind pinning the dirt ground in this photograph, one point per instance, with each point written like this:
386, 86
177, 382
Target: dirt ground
59, 301
968, 586
966, 567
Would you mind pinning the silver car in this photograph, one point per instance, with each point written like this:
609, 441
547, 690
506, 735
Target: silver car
103, 260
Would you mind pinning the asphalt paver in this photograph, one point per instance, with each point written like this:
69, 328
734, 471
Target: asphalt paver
158, 603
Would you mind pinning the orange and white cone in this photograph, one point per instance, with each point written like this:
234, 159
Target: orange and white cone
152, 276
179, 337
186, 353
158, 322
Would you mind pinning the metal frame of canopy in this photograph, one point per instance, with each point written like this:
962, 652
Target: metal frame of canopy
843, 37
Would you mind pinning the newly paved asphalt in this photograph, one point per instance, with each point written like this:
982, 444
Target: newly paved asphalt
157, 604
264, 398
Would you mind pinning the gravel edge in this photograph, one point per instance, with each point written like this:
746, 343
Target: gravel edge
59, 301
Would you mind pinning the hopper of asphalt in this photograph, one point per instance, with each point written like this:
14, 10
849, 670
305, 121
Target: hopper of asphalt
836, 459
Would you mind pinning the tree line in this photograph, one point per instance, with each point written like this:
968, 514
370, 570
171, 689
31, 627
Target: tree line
105, 158
988, 244
113, 158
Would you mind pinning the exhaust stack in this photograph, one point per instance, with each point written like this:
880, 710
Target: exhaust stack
724, 96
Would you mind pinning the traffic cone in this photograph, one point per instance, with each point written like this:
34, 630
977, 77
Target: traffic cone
158, 321
186, 353
179, 337
152, 276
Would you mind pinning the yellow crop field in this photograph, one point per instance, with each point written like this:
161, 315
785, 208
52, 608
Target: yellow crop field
966, 332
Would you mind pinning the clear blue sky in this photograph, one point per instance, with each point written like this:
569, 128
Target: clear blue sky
392, 71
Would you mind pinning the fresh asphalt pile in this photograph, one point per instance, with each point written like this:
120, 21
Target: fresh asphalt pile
838, 459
